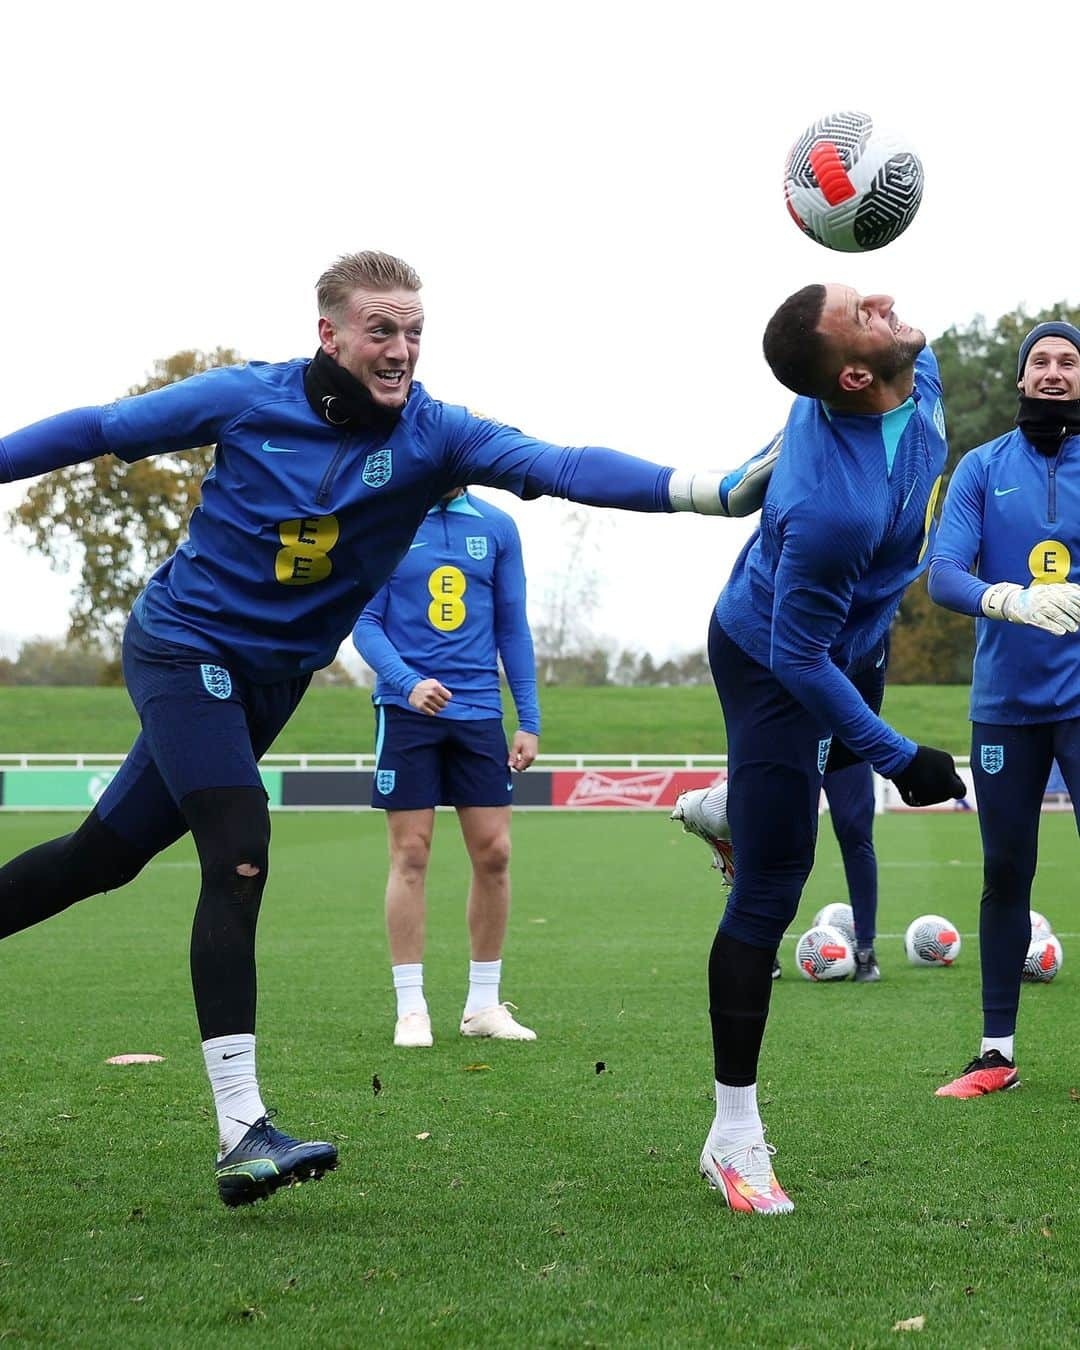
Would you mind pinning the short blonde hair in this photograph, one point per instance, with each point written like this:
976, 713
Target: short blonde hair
371, 270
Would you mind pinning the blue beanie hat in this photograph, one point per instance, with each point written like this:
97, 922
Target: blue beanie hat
1055, 328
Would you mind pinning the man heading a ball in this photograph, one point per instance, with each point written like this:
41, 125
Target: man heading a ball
844, 529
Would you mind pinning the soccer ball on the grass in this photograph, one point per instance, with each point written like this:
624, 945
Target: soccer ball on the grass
1040, 926
838, 916
852, 185
1043, 960
824, 953
931, 940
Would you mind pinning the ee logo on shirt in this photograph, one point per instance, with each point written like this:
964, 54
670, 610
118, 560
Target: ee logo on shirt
1049, 561
447, 611
307, 543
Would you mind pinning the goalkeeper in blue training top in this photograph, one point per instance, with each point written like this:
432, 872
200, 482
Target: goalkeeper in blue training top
1012, 513
323, 472
846, 524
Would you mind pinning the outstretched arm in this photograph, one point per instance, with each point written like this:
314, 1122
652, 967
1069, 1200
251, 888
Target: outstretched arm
487, 452
54, 443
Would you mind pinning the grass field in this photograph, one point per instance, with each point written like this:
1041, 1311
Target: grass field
545, 1194
576, 721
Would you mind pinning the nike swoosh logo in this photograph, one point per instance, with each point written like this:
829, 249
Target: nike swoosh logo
422, 544
1004, 492
277, 449
235, 1054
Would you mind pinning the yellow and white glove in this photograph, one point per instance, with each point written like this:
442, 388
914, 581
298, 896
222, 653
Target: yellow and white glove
1053, 607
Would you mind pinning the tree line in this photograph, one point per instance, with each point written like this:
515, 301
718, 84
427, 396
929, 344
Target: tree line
114, 523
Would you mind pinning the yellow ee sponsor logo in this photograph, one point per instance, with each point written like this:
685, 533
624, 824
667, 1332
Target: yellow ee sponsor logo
307, 542
1049, 561
447, 611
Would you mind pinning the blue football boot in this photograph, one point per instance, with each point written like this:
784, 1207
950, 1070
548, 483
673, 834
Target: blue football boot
266, 1159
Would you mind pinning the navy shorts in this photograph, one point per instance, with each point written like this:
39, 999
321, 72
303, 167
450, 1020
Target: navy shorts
203, 726
777, 751
423, 761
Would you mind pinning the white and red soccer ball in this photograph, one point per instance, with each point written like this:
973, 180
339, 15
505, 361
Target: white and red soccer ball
852, 185
1040, 925
931, 940
824, 953
1043, 960
840, 916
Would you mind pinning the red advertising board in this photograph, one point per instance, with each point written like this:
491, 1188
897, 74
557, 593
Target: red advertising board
623, 788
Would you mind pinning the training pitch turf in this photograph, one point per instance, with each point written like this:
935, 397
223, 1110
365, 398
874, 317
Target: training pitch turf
544, 1194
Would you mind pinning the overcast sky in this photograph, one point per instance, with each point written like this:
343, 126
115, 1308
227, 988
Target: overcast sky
590, 191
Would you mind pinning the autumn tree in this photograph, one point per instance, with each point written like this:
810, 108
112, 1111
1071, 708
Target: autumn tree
118, 521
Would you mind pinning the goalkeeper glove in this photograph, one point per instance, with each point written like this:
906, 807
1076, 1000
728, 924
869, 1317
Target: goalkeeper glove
930, 777
1054, 607
738, 493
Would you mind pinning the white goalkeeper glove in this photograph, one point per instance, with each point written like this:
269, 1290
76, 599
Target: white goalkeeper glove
1054, 607
739, 492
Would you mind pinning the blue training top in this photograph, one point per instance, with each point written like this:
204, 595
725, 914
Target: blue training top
300, 523
1014, 515
455, 604
844, 530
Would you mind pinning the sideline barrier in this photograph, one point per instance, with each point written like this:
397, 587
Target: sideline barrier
343, 782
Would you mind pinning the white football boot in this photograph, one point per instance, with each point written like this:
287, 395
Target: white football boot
703, 811
498, 1023
414, 1029
744, 1176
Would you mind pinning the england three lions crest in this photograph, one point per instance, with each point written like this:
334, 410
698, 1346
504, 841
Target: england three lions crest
378, 468
992, 758
476, 544
217, 681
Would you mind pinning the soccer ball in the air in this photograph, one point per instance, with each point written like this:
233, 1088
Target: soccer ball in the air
824, 953
1040, 926
931, 941
1043, 960
852, 185
838, 916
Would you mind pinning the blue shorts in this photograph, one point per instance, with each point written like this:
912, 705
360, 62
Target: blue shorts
203, 726
423, 761
776, 758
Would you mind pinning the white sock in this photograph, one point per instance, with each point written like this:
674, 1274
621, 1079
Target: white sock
1002, 1044
230, 1066
737, 1120
484, 977
409, 987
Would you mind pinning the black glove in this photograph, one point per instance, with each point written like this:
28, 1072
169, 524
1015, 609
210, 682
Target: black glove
930, 777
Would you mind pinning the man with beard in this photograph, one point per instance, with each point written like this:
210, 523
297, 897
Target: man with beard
845, 527
323, 472
1013, 513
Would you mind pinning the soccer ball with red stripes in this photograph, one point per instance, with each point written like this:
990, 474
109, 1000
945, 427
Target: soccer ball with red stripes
1044, 958
851, 185
824, 953
931, 940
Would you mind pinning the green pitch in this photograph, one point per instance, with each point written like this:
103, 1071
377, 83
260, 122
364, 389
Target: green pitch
534, 1195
